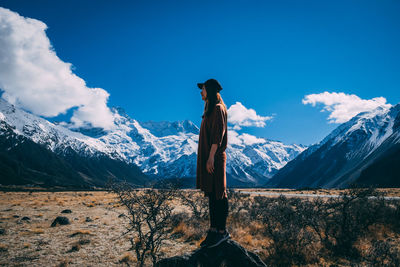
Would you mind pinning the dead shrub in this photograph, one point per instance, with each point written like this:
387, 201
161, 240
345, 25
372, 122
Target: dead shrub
149, 215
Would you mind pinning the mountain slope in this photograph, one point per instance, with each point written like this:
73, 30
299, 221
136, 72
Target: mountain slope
343, 155
168, 150
162, 150
385, 162
23, 161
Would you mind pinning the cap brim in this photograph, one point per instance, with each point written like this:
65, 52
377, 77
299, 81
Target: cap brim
200, 85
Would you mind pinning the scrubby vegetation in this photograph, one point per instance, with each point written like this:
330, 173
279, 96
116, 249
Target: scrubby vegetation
340, 230
149, 214
360, 227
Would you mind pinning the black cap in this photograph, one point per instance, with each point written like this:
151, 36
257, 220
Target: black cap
211, 84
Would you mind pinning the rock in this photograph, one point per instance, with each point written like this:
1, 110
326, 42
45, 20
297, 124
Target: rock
60, 220
24, 219
84, 241
88, 219
228, 254
78, 245
66, 211
2, 231
75, 247
16, 216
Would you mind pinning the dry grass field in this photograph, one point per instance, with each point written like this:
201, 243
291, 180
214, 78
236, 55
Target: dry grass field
94, 235
91, 239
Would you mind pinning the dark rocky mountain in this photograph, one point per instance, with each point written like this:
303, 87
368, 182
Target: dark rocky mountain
24, 162
364, 150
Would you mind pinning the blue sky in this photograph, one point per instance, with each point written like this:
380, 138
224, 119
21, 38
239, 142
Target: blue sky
267, 55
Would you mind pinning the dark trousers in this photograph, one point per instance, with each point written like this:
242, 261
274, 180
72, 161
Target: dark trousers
218, 212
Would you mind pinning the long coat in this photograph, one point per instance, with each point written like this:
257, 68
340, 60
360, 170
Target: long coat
213, 130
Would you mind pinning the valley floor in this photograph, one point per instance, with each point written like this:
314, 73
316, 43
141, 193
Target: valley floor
93, 237
34, 243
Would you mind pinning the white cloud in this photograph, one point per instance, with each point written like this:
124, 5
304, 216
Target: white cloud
243, 139
33, 77
240, 116
343, 107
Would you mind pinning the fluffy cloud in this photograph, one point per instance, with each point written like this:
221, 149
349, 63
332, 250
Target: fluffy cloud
33, 77
243, 139
240, 116
343, 107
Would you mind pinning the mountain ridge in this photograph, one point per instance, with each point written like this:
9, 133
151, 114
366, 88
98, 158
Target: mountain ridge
340, 158
160, 149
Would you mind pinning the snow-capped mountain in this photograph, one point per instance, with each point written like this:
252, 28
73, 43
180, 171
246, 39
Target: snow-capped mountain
344, 156
160, 149
54, 137
169, 150
256, 160
36, 152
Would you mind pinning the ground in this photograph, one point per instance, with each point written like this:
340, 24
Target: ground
93, 237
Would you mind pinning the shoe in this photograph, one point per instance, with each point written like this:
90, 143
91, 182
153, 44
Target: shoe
218, 239
209, 237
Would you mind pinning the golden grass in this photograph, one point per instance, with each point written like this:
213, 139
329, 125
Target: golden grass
24, 233
245, 238
3, 247
64, 263
197, 243
189, 233
256, 227
36, 203
81, 232
37, 231
127, 257
181, 228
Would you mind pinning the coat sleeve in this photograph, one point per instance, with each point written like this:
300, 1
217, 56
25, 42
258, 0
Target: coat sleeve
218, 126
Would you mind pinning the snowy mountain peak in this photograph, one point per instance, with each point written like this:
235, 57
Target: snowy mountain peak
341, 157
160, 149
164, 128
52, 136
377, 124
119, 110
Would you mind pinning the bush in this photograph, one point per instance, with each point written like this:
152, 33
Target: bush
383, 253
149, 214
286, 225
239, 204
302, 230
197, 203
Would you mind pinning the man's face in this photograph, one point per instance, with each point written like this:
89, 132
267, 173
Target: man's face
203, 93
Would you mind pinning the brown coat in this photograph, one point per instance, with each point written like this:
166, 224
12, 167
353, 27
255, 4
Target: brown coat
213, 130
